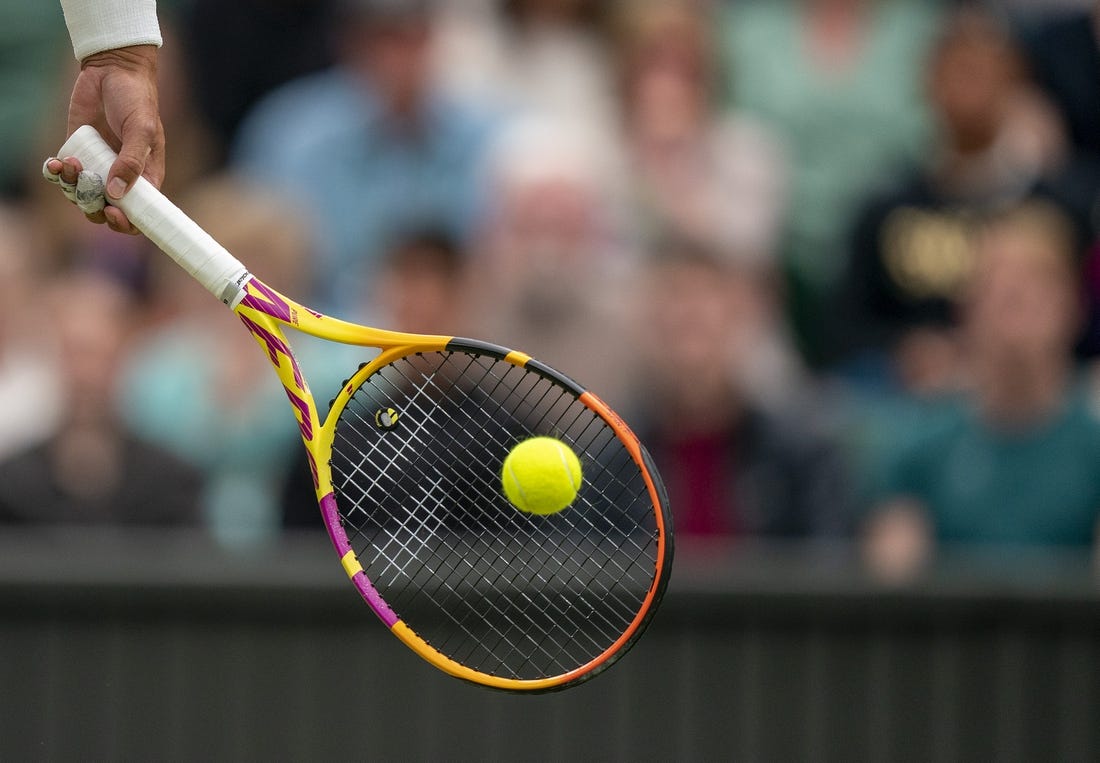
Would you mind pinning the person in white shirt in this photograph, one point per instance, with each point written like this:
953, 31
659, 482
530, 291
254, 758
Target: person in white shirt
116, 42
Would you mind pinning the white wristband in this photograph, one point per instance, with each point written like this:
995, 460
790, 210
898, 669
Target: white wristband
98, 25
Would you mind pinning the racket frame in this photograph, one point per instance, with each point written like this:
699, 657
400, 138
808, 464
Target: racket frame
264, 312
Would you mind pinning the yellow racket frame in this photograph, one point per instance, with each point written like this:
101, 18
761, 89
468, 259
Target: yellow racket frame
264, 311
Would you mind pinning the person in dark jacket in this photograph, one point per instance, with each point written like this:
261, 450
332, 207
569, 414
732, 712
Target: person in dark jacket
92, 469
734, 466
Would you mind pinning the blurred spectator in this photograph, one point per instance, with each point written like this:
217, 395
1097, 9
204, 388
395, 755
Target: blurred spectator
733, 466
1063, 52
911, 254
34, 49
550, 267
547, 57
28, 372
1014, 461
371, 147
420, 289
239, 50
198, 384
93, 469
839, 80
713, 175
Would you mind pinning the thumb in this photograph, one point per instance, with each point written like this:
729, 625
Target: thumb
127, 168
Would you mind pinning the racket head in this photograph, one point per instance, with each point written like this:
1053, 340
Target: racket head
413, 449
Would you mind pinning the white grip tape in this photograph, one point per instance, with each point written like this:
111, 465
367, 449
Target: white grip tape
164, 223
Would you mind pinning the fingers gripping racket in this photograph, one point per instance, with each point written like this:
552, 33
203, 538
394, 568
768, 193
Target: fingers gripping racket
407, 465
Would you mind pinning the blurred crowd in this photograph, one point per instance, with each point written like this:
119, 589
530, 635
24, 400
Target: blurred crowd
837, 261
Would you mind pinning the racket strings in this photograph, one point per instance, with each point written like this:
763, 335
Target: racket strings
508, 621
484, 483
428, 443
470, 569
514, 534
495, 589
611, 559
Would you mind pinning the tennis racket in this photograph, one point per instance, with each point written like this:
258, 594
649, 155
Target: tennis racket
407, 467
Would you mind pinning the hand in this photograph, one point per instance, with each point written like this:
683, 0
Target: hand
116, 92
897, 540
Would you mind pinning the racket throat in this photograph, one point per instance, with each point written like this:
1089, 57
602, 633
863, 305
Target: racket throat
235, 289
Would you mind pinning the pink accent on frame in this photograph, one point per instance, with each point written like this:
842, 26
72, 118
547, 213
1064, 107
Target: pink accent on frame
332, 523
275, 346
372, 597
263, 299
305, 426
313, 469
362, 582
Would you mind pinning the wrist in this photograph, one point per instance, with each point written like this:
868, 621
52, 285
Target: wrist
132, 57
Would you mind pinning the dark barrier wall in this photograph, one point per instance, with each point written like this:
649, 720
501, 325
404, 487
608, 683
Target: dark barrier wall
141, 647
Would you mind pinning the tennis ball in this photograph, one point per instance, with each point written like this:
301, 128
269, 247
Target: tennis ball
541, 475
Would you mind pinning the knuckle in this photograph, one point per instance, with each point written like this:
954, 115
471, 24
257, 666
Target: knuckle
128, 166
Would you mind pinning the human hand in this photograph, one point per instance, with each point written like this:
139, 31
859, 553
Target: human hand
897, 540
116, 92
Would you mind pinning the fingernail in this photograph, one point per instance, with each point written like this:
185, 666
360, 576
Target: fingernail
116, 188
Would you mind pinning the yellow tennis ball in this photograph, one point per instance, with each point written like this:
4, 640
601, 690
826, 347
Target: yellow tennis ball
541, 475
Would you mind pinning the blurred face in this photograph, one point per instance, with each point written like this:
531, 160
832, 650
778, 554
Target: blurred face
395, 54
92, 324
667, 83
421, 296
554, 218
666, 104
545, 235
699, 322
690, 315
1024, 300
971, 78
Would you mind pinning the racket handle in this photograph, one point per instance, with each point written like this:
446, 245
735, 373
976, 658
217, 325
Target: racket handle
164, 223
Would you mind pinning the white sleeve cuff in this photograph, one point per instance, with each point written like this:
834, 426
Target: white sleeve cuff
97, 25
